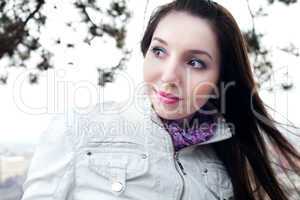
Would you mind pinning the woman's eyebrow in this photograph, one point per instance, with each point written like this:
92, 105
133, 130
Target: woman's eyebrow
193, 51
160, 40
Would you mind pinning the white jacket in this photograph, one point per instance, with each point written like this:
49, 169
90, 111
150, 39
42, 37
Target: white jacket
122, 155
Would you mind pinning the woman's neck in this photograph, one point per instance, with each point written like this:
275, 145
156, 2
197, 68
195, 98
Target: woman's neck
193, 121
185, 122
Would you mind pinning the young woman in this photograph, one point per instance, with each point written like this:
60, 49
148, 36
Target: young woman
203, 131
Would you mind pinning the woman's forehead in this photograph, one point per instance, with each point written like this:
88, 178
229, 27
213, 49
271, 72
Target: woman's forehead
181, 30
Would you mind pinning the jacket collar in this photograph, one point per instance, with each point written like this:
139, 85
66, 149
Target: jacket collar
223, 131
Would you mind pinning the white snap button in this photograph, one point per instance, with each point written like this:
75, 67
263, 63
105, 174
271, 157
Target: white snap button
144, 156
116, 186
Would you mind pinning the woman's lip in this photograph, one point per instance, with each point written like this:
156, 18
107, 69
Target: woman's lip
166, 98
168, 95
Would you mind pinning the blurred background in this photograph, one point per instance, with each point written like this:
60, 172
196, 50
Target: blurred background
74, 53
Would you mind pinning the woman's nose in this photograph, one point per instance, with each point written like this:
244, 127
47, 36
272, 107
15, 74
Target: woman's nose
170, 72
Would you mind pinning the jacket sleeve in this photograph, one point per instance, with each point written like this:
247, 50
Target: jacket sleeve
51, 172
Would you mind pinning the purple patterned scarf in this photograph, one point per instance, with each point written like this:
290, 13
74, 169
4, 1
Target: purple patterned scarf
192, 132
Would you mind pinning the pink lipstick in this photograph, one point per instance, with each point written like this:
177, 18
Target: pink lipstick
167, 98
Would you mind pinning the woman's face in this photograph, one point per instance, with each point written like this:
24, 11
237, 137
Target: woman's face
181, 66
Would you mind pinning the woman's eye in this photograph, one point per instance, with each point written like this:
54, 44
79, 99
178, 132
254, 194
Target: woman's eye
197, 64
157, 51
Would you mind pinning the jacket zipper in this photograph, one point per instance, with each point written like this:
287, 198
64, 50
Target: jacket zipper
179, 163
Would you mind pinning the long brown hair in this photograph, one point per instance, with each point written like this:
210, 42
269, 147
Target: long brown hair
246, 155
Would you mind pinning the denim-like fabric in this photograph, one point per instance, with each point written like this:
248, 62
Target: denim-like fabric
121, 155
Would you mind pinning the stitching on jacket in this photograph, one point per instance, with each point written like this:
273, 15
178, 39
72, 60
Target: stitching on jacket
61, 181
70, 166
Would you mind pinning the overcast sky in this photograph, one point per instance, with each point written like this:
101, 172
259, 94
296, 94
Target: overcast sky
22, 121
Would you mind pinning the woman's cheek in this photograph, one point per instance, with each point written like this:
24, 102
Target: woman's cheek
201, 94
148, 70
149, 75
151, 72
